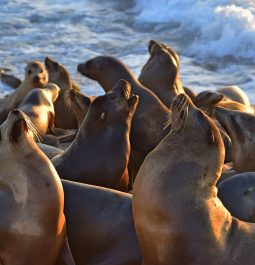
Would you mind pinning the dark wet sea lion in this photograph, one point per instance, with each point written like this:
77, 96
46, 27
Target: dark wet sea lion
237, 193
99, 154
184, 221
36, 76
240, 127
79, 104
38, 106
32, 225
161, 73
104, 231
148, 122
59, 75
10, 80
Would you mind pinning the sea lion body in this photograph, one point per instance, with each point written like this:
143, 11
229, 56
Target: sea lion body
59, 75
185, 222
161, 74
38, 105
99, 155
104, 232
32, 225
36, 76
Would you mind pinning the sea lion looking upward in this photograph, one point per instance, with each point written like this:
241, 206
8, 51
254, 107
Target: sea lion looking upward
161, 73
32, 224
184, 222
59, 75
36, 76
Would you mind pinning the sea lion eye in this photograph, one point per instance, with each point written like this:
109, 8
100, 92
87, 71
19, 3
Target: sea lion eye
103, 116
41, 71
29, 72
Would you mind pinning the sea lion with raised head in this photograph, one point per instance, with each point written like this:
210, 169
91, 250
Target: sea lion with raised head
59, 75
184, 221
38, 106
100, 225
36, 76
32, 225
161, 73
99, 155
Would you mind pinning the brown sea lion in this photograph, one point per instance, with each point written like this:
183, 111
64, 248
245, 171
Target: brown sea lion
100, 225
237, 193
99, 155
35, 77
78, 103
161, 73
38, 106
148, 122
10, 80
240, 127
59, 75
32, 224
210, 99
184, 221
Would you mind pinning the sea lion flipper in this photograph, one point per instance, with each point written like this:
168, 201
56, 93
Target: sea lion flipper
65, 256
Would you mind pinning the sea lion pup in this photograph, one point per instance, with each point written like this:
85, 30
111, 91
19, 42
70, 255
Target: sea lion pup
210, 99
99, 155
147, 124
78, 103
10, 80
32, 225
235, 93
100, 225
161, 74
237, 193
38, 106
240, 127
59, 75
35, 77
184, 221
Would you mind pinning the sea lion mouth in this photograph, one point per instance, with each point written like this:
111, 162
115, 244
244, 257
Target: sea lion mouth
177, 118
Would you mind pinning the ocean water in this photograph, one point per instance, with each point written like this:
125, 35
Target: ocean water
215, 38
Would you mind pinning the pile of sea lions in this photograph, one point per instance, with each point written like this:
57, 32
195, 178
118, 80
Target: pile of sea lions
147, 173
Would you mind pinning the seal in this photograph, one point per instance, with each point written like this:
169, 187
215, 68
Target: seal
209, 99
38, 106
105, 216
147, 125
31, 200
240, 127
78, 103
161, 73
237, 193
36, 76
181, 173
59, 75
100, 152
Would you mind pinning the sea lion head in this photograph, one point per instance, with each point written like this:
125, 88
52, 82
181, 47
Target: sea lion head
53, 90
37, 74
164, 62
58, 74
208, 98
192, 128
116, 107
78, 103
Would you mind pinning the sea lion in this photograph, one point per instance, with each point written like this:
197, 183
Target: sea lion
49, 150
32, 225
38, 106
99, 155
59, 75
35, 77
209, 99
235, 93
78, 103
184, 221
147, 124
10, 80
161, 73
237, 193
240, 126
104, 231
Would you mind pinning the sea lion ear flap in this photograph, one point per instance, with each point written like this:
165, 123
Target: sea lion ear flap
65, 255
